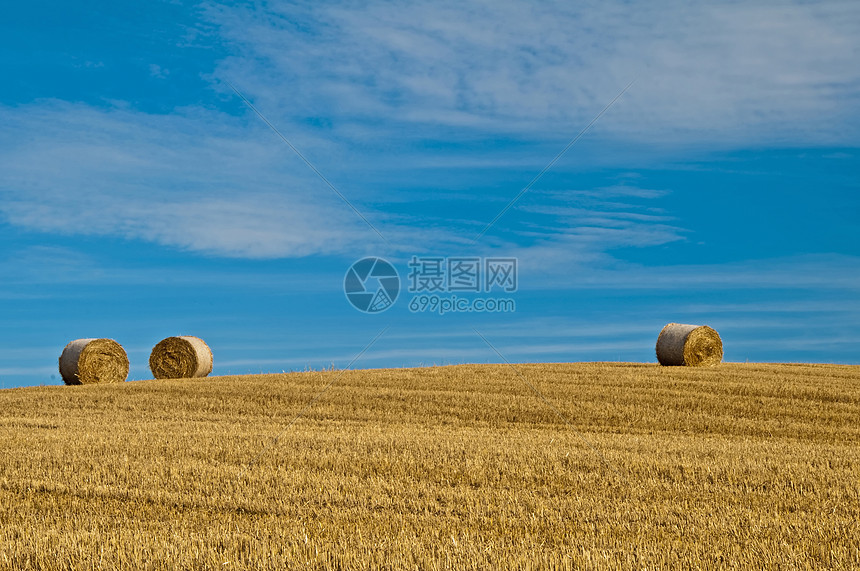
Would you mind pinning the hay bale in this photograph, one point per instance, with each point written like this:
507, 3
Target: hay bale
86, 361
690, 345
180, 358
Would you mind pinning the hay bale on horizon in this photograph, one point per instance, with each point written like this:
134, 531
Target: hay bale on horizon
180, 358
87, 361
689, 345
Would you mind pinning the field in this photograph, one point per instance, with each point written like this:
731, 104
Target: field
620, 466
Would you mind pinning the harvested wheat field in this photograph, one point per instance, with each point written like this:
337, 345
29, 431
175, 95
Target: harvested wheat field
462, 467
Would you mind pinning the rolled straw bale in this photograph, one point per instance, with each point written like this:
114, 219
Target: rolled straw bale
87, 361
690, 345
180, 358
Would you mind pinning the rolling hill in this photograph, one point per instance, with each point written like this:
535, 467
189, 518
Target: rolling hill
581, 465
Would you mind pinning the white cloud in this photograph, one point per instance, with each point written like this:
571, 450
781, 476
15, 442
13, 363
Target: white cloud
158, 72
556, 268
384, 73
207, 182
730, 74
198, 182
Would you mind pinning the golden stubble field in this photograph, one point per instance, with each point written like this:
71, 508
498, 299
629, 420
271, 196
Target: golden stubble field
461, 467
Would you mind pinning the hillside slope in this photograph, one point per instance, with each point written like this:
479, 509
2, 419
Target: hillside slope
612, 465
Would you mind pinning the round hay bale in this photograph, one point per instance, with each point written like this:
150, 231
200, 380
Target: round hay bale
180, 358
689, 345
86, 361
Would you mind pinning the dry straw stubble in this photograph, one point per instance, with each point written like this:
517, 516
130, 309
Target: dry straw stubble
181, 357
689, 345
86, 361
440, 468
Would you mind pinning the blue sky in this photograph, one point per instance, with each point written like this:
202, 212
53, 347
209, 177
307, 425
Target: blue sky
140, 197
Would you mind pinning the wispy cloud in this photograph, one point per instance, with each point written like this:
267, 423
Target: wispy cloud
374, 89
559, 269
208, 182
727, 74
197, 181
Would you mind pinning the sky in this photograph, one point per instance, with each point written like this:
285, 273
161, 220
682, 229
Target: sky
215, 169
